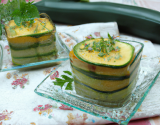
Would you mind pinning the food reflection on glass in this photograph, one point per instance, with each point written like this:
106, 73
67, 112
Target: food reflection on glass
105, 69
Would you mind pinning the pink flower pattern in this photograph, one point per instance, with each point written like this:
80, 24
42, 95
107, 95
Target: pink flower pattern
55, 75
5, 115
20, 82
4, 1
44, 110
89, 37
64, 107
49, 70
97, 34
7, 48
41, 108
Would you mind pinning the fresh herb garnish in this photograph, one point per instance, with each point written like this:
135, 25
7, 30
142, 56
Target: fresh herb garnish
111, 39
26, 12
65, 79
87, 46
43, 24
109, 58
36, 29
6, 11
12, 31
104, 47
118, 56
96, 46
90, 49
101, 54
117, 48
18, 10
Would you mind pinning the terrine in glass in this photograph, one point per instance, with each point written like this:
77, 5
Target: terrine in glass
32, 42
108, 84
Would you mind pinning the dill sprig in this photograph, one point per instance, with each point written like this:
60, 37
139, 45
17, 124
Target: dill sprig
104, 47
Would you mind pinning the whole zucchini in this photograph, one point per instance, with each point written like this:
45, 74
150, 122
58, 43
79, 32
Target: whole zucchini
132, 20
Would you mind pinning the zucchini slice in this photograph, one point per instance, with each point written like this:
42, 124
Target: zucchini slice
40, 27
120, 55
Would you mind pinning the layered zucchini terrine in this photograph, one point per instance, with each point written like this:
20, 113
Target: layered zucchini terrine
104, 70
31, 42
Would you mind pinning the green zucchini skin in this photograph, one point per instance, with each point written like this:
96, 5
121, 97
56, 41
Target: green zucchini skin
108, 92
115, 99
132, 20
24, 60
115, 96
53, 53
40, 34
103, 77
34, 45
0, 31
100, 77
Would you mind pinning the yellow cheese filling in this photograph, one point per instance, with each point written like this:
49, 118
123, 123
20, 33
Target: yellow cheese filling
113, 58
40, 25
